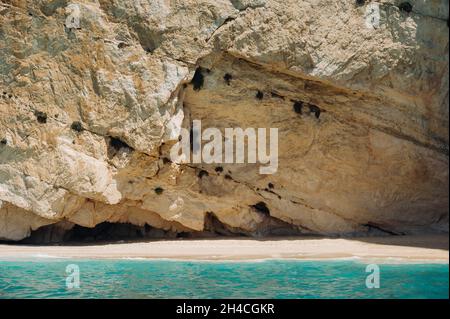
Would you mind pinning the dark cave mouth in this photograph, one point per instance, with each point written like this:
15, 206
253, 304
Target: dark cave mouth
69, 234
105, 232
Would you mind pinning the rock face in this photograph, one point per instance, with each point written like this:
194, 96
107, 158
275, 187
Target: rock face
94, 95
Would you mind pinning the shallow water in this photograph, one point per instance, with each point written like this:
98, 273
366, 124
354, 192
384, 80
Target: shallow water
46, 278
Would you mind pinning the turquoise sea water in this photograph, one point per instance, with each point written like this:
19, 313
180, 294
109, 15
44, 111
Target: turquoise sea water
46, 278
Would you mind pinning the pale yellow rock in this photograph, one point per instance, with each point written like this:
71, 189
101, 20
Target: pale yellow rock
16, 223
375, 161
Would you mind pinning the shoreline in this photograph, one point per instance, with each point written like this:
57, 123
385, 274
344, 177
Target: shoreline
395, 249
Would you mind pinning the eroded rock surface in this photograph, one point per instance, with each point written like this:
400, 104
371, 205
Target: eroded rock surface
89, 115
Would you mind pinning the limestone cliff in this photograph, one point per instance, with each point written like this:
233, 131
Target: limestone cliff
89, 113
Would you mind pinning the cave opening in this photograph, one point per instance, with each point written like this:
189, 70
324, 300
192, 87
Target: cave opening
105, 232
214, 226
298, 107
67, 233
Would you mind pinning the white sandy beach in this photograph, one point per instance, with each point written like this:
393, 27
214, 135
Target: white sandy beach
392, 249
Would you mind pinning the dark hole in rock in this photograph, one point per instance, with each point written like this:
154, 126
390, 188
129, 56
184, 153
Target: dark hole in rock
277, 96
117, 144
259, 95
219, 169
41, 117
298, 107
54, 233
228, 77
405, 7
228, 176
122, 45
315, 109
360, 2
198, 80
203, 173
66, 232
229, 19
185, 85
159, 190
3, 141
166, 160
262, 208
271, 186
380, 229
30, 14
77, 126
10, 96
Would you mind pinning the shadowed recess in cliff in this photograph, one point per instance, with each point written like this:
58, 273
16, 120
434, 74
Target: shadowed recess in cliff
68, 233
103, 232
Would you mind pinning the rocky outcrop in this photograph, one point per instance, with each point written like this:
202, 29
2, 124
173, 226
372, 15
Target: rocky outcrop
89, 113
